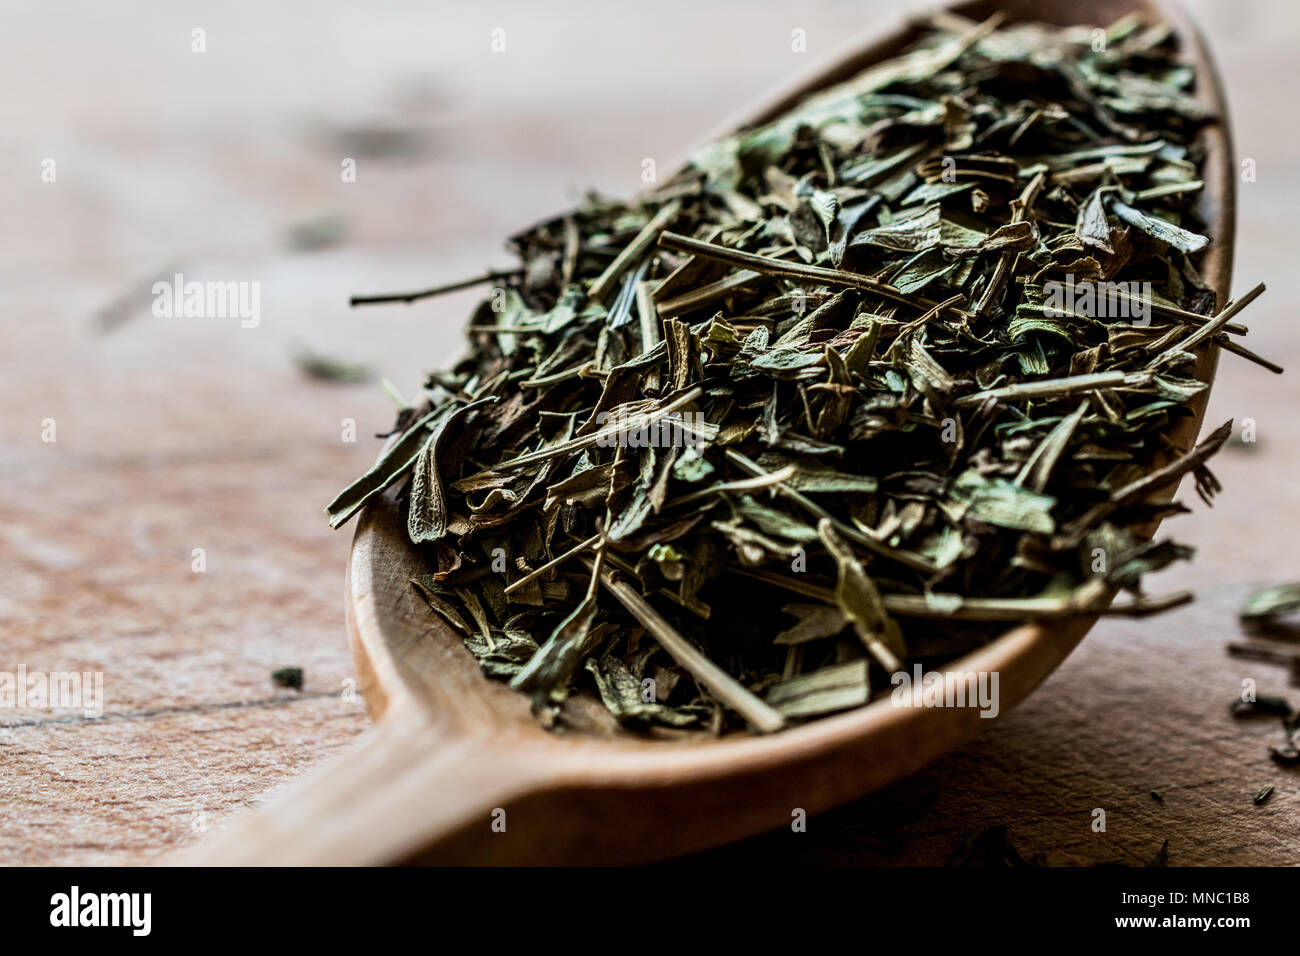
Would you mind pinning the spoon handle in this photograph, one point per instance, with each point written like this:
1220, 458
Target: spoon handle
400, 795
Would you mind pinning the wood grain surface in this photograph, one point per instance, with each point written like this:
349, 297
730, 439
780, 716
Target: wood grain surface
181, 434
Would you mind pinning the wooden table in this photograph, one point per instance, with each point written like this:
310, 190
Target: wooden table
176, 434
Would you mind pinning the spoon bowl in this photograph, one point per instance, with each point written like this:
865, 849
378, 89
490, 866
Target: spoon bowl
457, 768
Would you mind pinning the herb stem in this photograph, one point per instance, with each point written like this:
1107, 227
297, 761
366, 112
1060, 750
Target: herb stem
715, 680
633, 251
1139, 490
409, 297
1002, 271
533, 575
795, 270
1088, 598
1210, 328
1056, 387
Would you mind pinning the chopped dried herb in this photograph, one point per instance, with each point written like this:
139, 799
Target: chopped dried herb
1286, 754
1271, 603
315, 365
991, 847
1261, 706
852, 390
1162, 856
288, 677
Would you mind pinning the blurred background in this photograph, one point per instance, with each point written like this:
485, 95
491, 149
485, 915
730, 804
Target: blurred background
211, 139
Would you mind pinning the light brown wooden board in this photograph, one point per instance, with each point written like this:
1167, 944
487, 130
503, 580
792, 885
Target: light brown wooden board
181, 434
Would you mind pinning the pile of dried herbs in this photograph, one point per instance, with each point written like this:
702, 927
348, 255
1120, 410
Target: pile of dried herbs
817, 408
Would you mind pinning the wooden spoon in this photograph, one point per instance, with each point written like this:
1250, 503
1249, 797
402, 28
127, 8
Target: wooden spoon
457, 769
